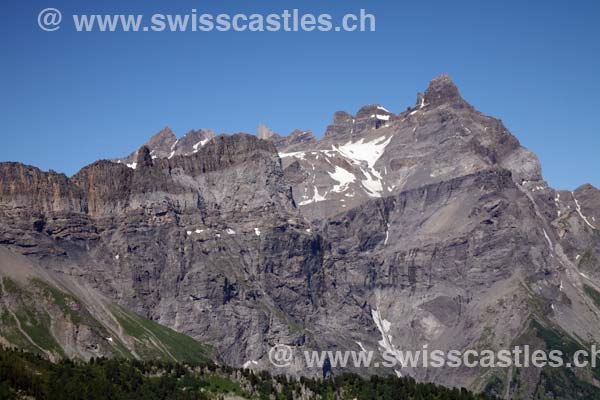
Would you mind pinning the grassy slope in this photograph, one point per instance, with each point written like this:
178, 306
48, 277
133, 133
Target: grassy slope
31, 303
156, 341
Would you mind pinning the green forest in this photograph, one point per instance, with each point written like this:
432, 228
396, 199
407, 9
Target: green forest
25, 375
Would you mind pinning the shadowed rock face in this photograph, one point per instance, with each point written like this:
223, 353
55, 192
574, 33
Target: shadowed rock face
435, 220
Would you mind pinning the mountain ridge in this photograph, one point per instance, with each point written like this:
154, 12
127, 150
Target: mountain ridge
435, 220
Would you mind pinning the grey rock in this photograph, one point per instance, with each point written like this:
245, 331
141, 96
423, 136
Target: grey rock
435, 220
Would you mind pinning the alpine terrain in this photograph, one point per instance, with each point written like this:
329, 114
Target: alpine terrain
393, 231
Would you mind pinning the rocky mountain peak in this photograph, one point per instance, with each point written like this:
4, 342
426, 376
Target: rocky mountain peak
295, 141
164, 138
342, 118
372, 111
442, 90
587, 187
192, 141
300, 135
165, 144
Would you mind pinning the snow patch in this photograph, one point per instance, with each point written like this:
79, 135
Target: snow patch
296, 154
372, 183
385, 343
387, 234
249, 363
549, 241
584, 275
368, 153
230, 231
200, 144
383, 326
315, 199
343, 177
580, 213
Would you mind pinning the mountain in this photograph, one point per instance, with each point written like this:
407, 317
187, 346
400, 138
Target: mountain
433, 226
165, 144
377, 154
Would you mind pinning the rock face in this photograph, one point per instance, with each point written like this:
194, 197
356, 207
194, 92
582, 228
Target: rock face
376, 153
165, 144
433, 226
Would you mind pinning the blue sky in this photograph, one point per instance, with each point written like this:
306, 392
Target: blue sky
70, 98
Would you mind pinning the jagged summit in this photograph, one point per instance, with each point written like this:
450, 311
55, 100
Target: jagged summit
442, 90
193, 140
376, 153
371, 116
297, 140
371, 111
163, 138
165, 144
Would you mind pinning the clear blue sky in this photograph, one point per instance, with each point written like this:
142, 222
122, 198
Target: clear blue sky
70, 98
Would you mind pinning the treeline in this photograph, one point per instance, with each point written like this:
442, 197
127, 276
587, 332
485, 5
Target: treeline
25, 375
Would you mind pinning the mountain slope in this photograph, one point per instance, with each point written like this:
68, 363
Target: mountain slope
40, 312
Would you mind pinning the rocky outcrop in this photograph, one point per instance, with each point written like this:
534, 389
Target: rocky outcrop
165, 144
264, 132
442, 91
297, 140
